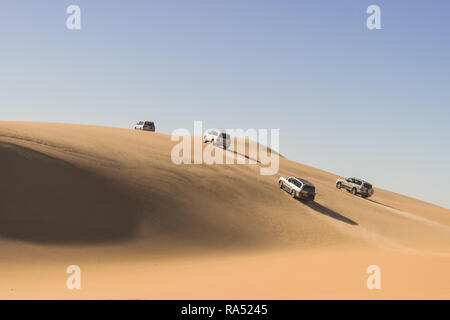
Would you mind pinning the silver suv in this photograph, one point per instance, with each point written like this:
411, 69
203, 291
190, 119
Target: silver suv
355, 186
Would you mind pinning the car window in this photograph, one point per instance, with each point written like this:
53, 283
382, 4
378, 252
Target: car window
309, 188
358, 182
140, 122
295, 182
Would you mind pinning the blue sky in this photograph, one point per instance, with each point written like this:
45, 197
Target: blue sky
357, 102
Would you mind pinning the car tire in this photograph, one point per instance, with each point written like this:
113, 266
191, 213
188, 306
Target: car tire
293, 194
354, 192
280, 184
338, 185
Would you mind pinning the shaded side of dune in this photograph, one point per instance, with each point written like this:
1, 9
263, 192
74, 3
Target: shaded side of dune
48, 200
44, 199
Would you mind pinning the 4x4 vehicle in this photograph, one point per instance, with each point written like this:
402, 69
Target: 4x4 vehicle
145, 125
298, 188
356, 186
218, 138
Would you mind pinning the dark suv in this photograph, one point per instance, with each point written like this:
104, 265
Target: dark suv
145, 125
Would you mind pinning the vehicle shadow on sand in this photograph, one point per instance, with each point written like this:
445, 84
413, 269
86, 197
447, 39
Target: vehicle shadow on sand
242, 155
328, 212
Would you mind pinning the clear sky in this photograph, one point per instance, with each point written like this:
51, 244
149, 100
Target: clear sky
357, 102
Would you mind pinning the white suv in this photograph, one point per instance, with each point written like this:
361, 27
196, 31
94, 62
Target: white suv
217, 138
298, 188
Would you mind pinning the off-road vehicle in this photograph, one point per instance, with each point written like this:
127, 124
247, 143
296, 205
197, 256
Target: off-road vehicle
145, 125
218, 138
355, 186
298, 188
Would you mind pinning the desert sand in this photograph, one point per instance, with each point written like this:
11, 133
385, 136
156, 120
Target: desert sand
111, 201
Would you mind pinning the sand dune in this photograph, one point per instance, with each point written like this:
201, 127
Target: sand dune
112, 201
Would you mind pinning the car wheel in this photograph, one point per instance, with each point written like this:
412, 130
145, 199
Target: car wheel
293, 193
338, 185
354, 191
280, 184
